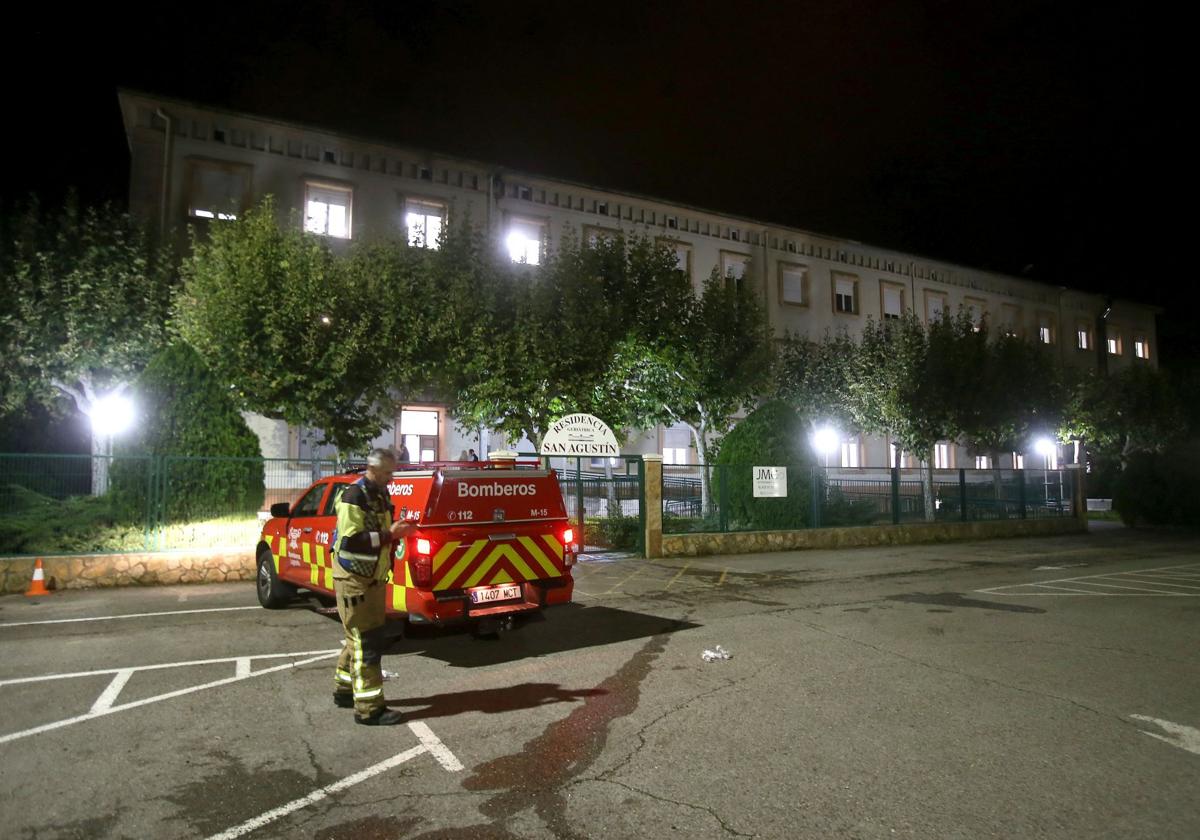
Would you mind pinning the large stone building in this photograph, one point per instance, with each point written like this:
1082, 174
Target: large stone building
194, 164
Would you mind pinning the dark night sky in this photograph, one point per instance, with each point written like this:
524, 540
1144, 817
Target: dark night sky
1024, 136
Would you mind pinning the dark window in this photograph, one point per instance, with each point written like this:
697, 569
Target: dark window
330, 507
311, 503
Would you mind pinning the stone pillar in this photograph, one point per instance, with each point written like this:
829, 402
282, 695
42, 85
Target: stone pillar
652, 505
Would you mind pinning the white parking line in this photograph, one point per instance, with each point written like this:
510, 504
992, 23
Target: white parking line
1135, 583
115, 617
104, 703
430, 743
1184, 737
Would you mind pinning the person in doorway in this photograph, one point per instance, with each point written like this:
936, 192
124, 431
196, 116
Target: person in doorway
471, 456
404, 457
363, 545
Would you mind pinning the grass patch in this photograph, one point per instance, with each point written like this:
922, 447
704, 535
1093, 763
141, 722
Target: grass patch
35, 524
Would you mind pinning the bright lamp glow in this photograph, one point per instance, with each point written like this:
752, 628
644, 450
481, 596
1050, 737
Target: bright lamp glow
423, 546
825, 440
112, 415
1045, 446
568, 536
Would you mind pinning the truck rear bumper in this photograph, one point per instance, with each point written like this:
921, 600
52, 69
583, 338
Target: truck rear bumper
453, 607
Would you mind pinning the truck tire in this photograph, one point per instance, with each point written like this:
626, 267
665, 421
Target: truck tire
273, 593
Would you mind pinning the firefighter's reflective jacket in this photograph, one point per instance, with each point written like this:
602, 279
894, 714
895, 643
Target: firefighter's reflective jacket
362, 539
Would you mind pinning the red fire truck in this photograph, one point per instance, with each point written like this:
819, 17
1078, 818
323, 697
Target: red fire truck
492, 542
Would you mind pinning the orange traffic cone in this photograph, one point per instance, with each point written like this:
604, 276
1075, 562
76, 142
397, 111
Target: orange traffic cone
37, 586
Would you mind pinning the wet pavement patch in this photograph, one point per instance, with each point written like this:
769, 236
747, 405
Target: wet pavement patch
205, 802
534, 776
956, 599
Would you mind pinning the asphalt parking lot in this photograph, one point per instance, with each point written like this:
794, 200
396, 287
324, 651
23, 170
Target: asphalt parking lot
1008, 688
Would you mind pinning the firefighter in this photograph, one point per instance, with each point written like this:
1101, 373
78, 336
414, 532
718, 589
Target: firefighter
363, 544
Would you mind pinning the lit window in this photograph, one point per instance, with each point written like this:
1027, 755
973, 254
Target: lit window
327, 210
524, 242
793, 279
844, 294
983, 462
424, 223
682, 252
1083, 338
895, 455
1018, 461
1114, 343
1044, 335
217, 190
1141, 348
941, 456
849, 456
675, 445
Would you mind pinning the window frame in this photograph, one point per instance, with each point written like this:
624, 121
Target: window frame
540, 222
598, 230
1011, 326
834, 276
329, 186
726, 256
1047, 321
1082, 328
935, 293
673, 243
195, 164
1112, 333
411, 201
884, 286
805, 284
1139, 338
981, 308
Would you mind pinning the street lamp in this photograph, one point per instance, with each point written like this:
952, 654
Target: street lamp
112, 415
825, 441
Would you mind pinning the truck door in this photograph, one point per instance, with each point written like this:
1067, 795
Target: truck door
304, 561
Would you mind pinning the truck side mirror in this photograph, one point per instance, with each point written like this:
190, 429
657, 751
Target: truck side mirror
280, 510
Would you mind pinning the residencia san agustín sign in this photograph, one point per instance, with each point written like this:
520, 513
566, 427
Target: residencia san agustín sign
580, 434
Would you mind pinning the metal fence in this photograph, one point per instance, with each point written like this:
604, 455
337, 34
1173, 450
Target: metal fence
606, 497
720, 497
68, 504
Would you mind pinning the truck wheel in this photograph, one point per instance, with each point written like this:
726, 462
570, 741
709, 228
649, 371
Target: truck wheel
272, 592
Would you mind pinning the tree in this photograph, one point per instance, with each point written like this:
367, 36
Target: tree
186, 412
300, 334
720, 366
814, 377
1134, 411
85, 303
895, 388
552, 331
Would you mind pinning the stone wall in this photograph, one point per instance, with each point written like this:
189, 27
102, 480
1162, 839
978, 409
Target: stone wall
88, 571
692, 545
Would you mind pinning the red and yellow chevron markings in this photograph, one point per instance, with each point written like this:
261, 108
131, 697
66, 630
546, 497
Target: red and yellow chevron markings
483, 562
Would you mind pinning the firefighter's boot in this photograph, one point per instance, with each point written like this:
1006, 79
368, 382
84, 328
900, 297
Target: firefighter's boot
384, 717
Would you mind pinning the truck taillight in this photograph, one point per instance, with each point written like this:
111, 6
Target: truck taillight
570, 547
422, 565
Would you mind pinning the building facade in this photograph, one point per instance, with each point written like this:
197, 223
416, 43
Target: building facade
195, 164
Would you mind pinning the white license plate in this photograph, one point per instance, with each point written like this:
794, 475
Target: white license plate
498, 593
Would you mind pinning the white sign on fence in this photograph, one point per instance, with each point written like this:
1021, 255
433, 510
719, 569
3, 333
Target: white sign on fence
580, 434
770, 482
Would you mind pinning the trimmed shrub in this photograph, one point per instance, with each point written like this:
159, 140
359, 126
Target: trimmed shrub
617, 532
1153, 488
772, 435
185, 412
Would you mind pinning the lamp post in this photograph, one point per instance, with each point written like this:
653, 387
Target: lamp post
110, 415
825, 440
